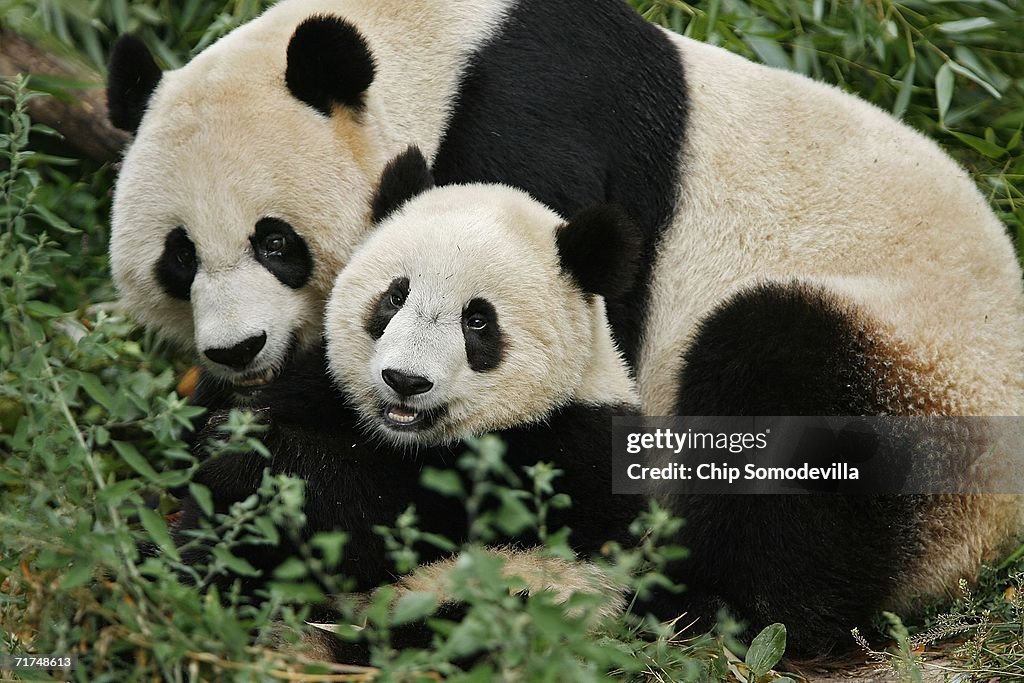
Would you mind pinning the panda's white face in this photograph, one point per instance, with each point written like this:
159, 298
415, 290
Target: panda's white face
454, 318
221, 238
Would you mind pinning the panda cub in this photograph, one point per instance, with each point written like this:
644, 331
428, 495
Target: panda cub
469, 310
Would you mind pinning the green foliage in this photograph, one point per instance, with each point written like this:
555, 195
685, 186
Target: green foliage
765, 651
980, 636
173, 30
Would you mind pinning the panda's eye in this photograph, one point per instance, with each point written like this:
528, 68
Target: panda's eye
185, 257
476, 322
273, 244
397, 299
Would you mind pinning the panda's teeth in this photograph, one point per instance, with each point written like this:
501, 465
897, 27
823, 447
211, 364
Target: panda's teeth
257, 381
402, 415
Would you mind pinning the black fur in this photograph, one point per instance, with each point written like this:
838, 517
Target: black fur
132, 76
485, 348
819, 564
354, 483
329, 63
404, 177
176, 268
291, 264
600, 248
578, 102
381, 313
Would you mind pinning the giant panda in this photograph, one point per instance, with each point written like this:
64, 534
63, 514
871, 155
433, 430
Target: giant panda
452, 318
802, 251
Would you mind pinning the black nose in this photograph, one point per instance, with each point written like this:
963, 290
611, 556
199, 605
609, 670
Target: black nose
406, 385
239, 355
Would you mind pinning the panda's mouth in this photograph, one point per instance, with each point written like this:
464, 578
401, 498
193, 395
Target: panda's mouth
247, 388
256, 381
250, 384
402, 417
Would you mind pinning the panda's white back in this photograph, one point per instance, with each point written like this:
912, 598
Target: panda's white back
784, 177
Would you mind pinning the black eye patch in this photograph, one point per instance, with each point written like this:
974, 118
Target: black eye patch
281, 250
176, 268
385, 307
485, 344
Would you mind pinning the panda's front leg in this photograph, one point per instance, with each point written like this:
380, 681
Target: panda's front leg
455, 583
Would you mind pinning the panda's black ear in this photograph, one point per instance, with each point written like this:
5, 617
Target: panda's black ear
600, 249
329, 63
131, 79
404, 177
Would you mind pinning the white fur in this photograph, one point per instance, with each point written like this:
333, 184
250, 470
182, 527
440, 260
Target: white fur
785, 177
224, 144
455, 244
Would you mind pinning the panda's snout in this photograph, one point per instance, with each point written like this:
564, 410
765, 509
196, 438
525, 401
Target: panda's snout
237, 357
404, 384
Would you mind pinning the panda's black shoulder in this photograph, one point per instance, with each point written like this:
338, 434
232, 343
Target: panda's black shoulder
577, 439
303, 396
576, 427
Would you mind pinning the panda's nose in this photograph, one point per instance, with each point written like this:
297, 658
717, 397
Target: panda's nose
239, 355
406, 385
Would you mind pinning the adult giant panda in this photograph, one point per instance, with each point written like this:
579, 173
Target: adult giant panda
522, 352
803, 252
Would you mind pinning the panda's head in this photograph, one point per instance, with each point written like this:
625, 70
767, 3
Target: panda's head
246, 187
475, 308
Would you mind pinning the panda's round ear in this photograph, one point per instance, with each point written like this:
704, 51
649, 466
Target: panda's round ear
329, 63
404, 177
600, 248
132, 76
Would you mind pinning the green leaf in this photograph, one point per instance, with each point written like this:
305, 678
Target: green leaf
54, 220
899, 107
413, 606
79, 575
201, 495
331, 544
766, 649
234, 563
965, 25
40, 309
96, 391
305, 592
131, 455
944, 89
769, 51
117, 492
156, 527
291, 569
967, 73
1014, 141
445, 482
990, 150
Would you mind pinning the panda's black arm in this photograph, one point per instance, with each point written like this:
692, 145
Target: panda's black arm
577, 439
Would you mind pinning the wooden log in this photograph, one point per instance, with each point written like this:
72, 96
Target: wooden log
81, 116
